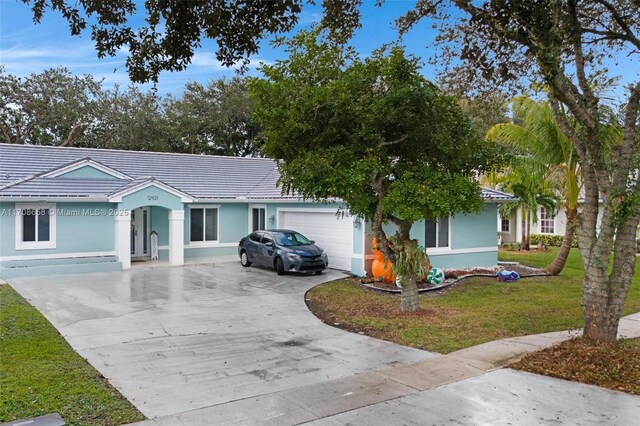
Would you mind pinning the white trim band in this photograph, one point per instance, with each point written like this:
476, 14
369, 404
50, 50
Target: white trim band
471, 250
58, 256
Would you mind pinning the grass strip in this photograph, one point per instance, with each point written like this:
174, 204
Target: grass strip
40, 373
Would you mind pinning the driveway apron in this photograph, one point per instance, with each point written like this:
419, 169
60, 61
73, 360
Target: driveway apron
176, 339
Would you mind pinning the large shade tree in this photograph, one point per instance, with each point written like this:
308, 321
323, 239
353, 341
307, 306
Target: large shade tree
373, 133
53, 107
214, 119
569, 46
171, 31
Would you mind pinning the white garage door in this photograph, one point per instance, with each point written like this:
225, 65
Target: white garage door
332, 233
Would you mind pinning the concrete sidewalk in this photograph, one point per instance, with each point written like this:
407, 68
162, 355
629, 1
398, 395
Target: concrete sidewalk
466, 387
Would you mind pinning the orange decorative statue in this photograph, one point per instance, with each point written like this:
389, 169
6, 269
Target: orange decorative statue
380, 268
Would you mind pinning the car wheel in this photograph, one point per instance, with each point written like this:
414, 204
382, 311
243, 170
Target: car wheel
244, 259
279, 266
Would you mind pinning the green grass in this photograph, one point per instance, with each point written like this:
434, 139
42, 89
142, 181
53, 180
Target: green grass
476, 311
40, 373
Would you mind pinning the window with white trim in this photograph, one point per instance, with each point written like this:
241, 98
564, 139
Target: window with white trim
547, 221
35, 226
436, 233
505, 224
203, 224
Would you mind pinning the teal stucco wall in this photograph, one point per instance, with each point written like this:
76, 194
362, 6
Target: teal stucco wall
80, 227
467, 232
86, 172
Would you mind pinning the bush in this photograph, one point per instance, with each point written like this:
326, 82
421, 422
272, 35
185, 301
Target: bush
550, 240
511, 246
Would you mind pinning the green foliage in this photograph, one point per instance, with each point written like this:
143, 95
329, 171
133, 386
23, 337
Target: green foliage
40, 373
214, 119
372, 132
410, 259
536, 135
50, 108
165, 35
551, 240
57, 108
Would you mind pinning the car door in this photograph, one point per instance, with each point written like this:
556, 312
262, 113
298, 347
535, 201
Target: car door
267, 249
252, 246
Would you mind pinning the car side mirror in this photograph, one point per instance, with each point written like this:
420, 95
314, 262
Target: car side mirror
269, 244
312, 241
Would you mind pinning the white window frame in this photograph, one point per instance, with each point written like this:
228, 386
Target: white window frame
250, 214
437, 250
203, 243
502, 221
551, 220
36, 245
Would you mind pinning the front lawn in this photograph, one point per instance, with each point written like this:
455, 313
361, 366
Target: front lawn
40, 373
475, 311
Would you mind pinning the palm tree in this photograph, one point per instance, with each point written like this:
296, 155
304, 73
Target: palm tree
538, 138
526, 180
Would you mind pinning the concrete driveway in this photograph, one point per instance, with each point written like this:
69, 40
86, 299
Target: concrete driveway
173, 340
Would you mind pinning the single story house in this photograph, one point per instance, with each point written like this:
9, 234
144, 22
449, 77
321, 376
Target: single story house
76, 210
511, 227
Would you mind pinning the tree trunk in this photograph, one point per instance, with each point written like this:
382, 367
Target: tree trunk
601, 311
558, 263
526, 231
409, 300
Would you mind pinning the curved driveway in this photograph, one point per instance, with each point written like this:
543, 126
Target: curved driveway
174, 340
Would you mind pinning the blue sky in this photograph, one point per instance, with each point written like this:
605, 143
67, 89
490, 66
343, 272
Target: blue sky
27, 48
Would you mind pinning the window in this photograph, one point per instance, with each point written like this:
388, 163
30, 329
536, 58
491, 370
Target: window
267, 238
547, 221
505, 224
436, 234
35, 226
258, 216
255, 237
204, 224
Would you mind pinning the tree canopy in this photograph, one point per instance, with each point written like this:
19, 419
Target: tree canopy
173, 30
374, 133
56, 108
214, 119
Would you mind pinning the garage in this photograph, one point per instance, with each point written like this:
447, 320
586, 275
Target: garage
332, 233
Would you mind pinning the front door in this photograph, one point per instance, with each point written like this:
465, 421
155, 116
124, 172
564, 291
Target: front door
140, 232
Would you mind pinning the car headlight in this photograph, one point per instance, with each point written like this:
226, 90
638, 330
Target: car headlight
293, 257
323, 254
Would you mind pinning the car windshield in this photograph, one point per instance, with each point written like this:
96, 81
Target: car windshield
290, 239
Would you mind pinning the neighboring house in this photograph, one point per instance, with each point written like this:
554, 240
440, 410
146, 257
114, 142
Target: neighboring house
510, 228
74, 210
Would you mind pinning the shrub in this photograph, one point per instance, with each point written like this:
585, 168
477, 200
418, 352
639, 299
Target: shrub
511, 246
550, 240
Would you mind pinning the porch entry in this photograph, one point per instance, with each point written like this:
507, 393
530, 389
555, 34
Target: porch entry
140, 224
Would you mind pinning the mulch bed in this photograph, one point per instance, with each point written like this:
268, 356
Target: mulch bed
452, 276
584, 361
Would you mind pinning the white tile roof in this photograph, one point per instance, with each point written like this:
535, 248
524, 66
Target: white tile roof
201, 176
